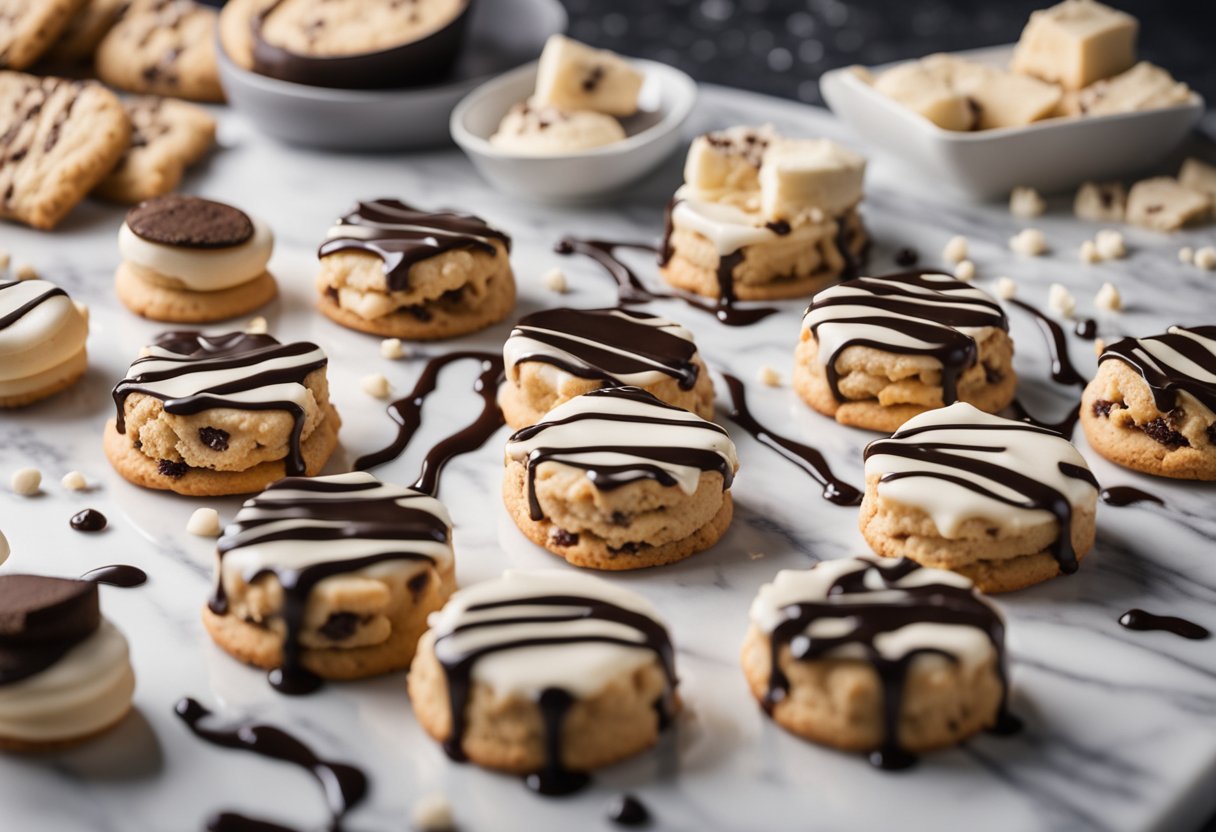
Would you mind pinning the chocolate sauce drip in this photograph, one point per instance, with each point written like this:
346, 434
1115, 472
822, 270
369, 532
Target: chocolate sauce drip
915, 305
234, 822
631, 290
89, 520
1136, 619
344, 786
118, 574
200, 352
554, 778
627, 810
939, 458
1064, 427
355, 517
607, 344
1126, 495
607, 477
1165, 379
1062, 369
926, 603
24, 309
835, 491
407, 413
906, 258
402, 236
1086, 328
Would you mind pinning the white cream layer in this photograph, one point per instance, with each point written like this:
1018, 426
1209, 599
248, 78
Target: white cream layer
43, 343
201, 269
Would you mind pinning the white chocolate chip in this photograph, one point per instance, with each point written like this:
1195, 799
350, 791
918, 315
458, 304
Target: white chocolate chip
74, 481
769, 376
204, 522
1089, 252
257, 326
1186, 254
555, 281
1029, 242
432, 813
375, 385
4, 548
1205, 258
1026, 202
1108, 298
955, 250
1061, 300
391, 349
26, 272
1005, 287
965, 271
26, 481
1110, 245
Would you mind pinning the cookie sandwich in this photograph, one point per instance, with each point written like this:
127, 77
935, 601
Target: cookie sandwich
616, 479
557, 354
193, 260
876, 351
393, 270
42, 341
209, 415
330, 578
1005, 503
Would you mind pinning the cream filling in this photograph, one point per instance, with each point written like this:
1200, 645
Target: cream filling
44, 379
48, 336
201, 269
87, 690
728, 227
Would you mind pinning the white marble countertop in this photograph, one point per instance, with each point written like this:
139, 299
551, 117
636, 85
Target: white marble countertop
1121, 726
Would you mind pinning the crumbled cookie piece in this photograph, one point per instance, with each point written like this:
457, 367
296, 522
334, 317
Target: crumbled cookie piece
1110, 245
204, 522
965, 271
1205, 258
769, 377
1162, 204
392, 349
1029, 242
955, 250
1006, 288
1026, 203
375, 385
1089, 252
1108, 298
1101, 201
1061, 300
555, 281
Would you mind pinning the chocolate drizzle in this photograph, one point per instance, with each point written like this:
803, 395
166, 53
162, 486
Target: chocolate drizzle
1127, 495
627, 810
856, 597
350, 522
230, 367
118, 574
401, 236
1181, 360
909, 313
631, 290
407, 413
1136, 619
1064, 427
1062, 369
835, 491
12, 311
89, 520
343, 785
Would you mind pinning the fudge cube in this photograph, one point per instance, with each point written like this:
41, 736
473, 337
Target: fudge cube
727, 160
801, 176
1163, 204
1005, 99
926, 87
1101, 201
1143, 87
572, 76
1198, 176
1076, 43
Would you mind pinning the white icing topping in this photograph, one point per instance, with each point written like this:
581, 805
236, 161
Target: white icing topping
1170, 362
201, 269
48, 338
727, 226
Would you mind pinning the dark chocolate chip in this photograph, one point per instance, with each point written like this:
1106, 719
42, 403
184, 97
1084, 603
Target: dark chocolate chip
214, 438
340, 626
1162, 432
418, 583
169, 468
1103, 407
190, 222
906, 257
563, 538
89, 520
620, 518
992, 375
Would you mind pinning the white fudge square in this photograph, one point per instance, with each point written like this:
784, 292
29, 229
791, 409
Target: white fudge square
573, 76
1076, 43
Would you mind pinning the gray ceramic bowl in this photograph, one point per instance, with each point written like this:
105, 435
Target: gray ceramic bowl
502, 34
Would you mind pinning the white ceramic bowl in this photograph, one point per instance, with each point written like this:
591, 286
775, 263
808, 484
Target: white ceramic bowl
1051, 155
665, 103
501, 34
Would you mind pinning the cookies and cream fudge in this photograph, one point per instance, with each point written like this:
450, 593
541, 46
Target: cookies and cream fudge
1101, 201
1162, 203
879, 655
1143, 87
65, 671
191, 260
42, 341
534, 130
1076, 43
763, 216
1199, 176
545, 673
330, 577
394, 270
1005, 503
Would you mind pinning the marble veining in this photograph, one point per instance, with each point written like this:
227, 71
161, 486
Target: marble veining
1121, 726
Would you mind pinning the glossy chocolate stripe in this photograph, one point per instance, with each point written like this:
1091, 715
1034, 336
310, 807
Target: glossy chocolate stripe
1167, 378
1062, 369
11, 316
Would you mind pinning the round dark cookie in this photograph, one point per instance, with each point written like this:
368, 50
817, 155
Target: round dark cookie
189, 222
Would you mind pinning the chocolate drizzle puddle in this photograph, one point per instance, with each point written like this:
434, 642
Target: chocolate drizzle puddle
554, 778
1137, 619
1086, 328
401, 236
407, 413
1127, 495
344, 786
14, 315
118, 574
805, 457
234, 822
926, 603
1064, 427
627, 810
1166, 379
1062, 369
631, 290
89, 520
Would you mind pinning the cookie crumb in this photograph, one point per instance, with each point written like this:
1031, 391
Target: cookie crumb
965, 271
1026, 202
770, 377
257, 326
204, 522
1110, 245
1029, 242
26, 481
1099, 347
74, 481
1061, 300
1089, 252
955, 250
4, 548
5, 259
391, 349
555, 281
1006, 288
26, 272
432, 813
375, 385
1205, 258
1108, 298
